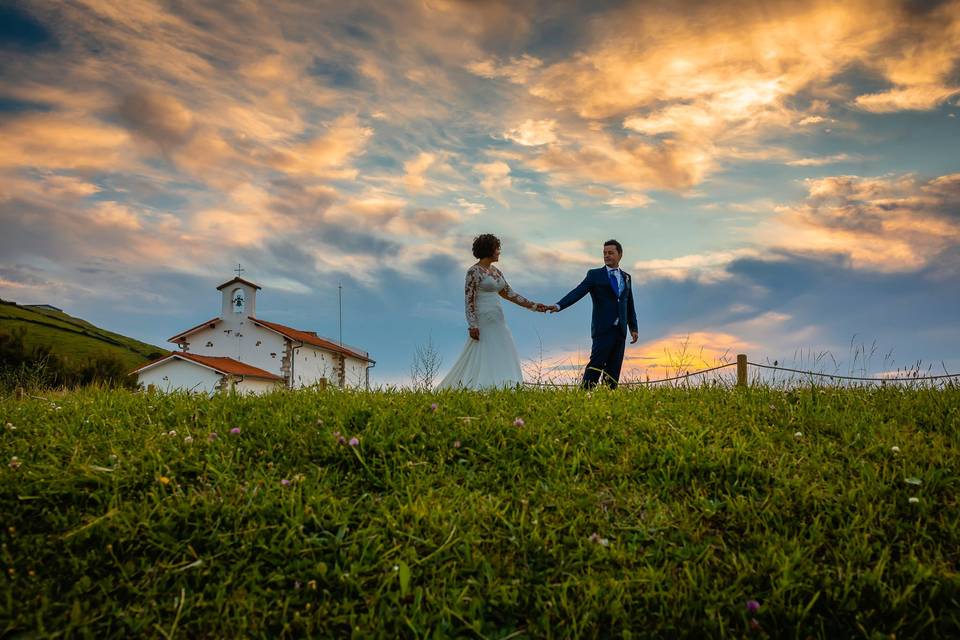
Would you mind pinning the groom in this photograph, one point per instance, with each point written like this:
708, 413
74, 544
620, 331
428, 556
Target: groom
613, 313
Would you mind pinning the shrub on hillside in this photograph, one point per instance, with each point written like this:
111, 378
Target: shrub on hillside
39, 368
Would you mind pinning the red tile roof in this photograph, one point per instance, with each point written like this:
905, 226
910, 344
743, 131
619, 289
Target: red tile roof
309, 337
203, 325
217, 363
229, 282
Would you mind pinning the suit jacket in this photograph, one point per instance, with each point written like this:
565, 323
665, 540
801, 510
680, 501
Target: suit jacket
607, 306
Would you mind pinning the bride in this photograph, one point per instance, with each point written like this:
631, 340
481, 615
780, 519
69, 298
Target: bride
489, 358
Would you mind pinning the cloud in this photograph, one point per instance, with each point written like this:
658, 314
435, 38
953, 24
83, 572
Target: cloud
496, 178
471, 208
532, 133
415, 169
328, 154
629, 201
516, 70
888, 223
628, 163
915, 98
705, 268
683, 353
158, 117
60, 141
822, 160
114, 214
22, 276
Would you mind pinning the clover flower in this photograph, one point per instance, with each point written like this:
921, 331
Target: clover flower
235, 431
798, 434
212, 436
752, 606
895, 449
913, 500
9, 427
456, 444
603, 542
14, 463
518, 422
188, 439
433, 407
285, 482
354, 441
172, 433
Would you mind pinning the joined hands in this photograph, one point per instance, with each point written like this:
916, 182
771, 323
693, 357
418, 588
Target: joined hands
543, 308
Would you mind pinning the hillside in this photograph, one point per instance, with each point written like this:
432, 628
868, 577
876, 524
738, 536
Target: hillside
650, 513
73, 339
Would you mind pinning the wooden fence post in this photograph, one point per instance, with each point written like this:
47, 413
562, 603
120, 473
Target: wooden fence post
323, 384
18, 393
741, 370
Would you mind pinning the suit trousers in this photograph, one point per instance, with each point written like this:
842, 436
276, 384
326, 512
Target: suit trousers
606, 358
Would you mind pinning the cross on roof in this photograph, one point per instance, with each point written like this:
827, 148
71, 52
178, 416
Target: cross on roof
239, 270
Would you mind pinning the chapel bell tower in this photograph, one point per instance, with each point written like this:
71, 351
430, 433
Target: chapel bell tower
239, 299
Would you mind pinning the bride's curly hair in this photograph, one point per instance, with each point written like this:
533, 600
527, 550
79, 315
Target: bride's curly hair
485, 245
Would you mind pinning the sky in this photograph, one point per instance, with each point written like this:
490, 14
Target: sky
783, 176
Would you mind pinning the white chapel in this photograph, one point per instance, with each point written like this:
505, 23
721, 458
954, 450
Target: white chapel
239, 351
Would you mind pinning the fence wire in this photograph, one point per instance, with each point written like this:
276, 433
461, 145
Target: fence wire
840, 377
832, 376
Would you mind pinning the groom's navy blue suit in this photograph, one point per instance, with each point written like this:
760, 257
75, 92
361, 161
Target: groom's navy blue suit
612, 315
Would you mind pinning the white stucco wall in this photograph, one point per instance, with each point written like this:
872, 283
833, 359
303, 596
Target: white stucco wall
256, 346
256, 385
311, 364
177, 375
355, 373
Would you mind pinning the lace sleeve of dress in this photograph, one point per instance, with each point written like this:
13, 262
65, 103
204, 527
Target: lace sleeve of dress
474, 275
513, 296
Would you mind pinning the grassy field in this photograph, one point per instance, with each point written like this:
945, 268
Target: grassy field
650, 513
74, 339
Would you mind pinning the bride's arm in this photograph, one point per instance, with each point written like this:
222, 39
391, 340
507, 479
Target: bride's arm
509, 294
470, 296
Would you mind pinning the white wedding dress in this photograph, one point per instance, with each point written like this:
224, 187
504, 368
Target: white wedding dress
491, 361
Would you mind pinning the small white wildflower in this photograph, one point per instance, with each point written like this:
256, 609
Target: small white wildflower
798, 434
14, 463
895, 449
603, 542
913, 500
396, 567
10, 427
188, 439
171, 433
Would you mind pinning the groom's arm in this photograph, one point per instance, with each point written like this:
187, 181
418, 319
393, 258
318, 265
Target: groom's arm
574, 296
631, 314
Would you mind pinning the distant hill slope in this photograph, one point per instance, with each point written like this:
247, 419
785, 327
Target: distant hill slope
73, 339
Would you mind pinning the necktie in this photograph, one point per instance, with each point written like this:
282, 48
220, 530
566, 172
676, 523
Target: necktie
613, 281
